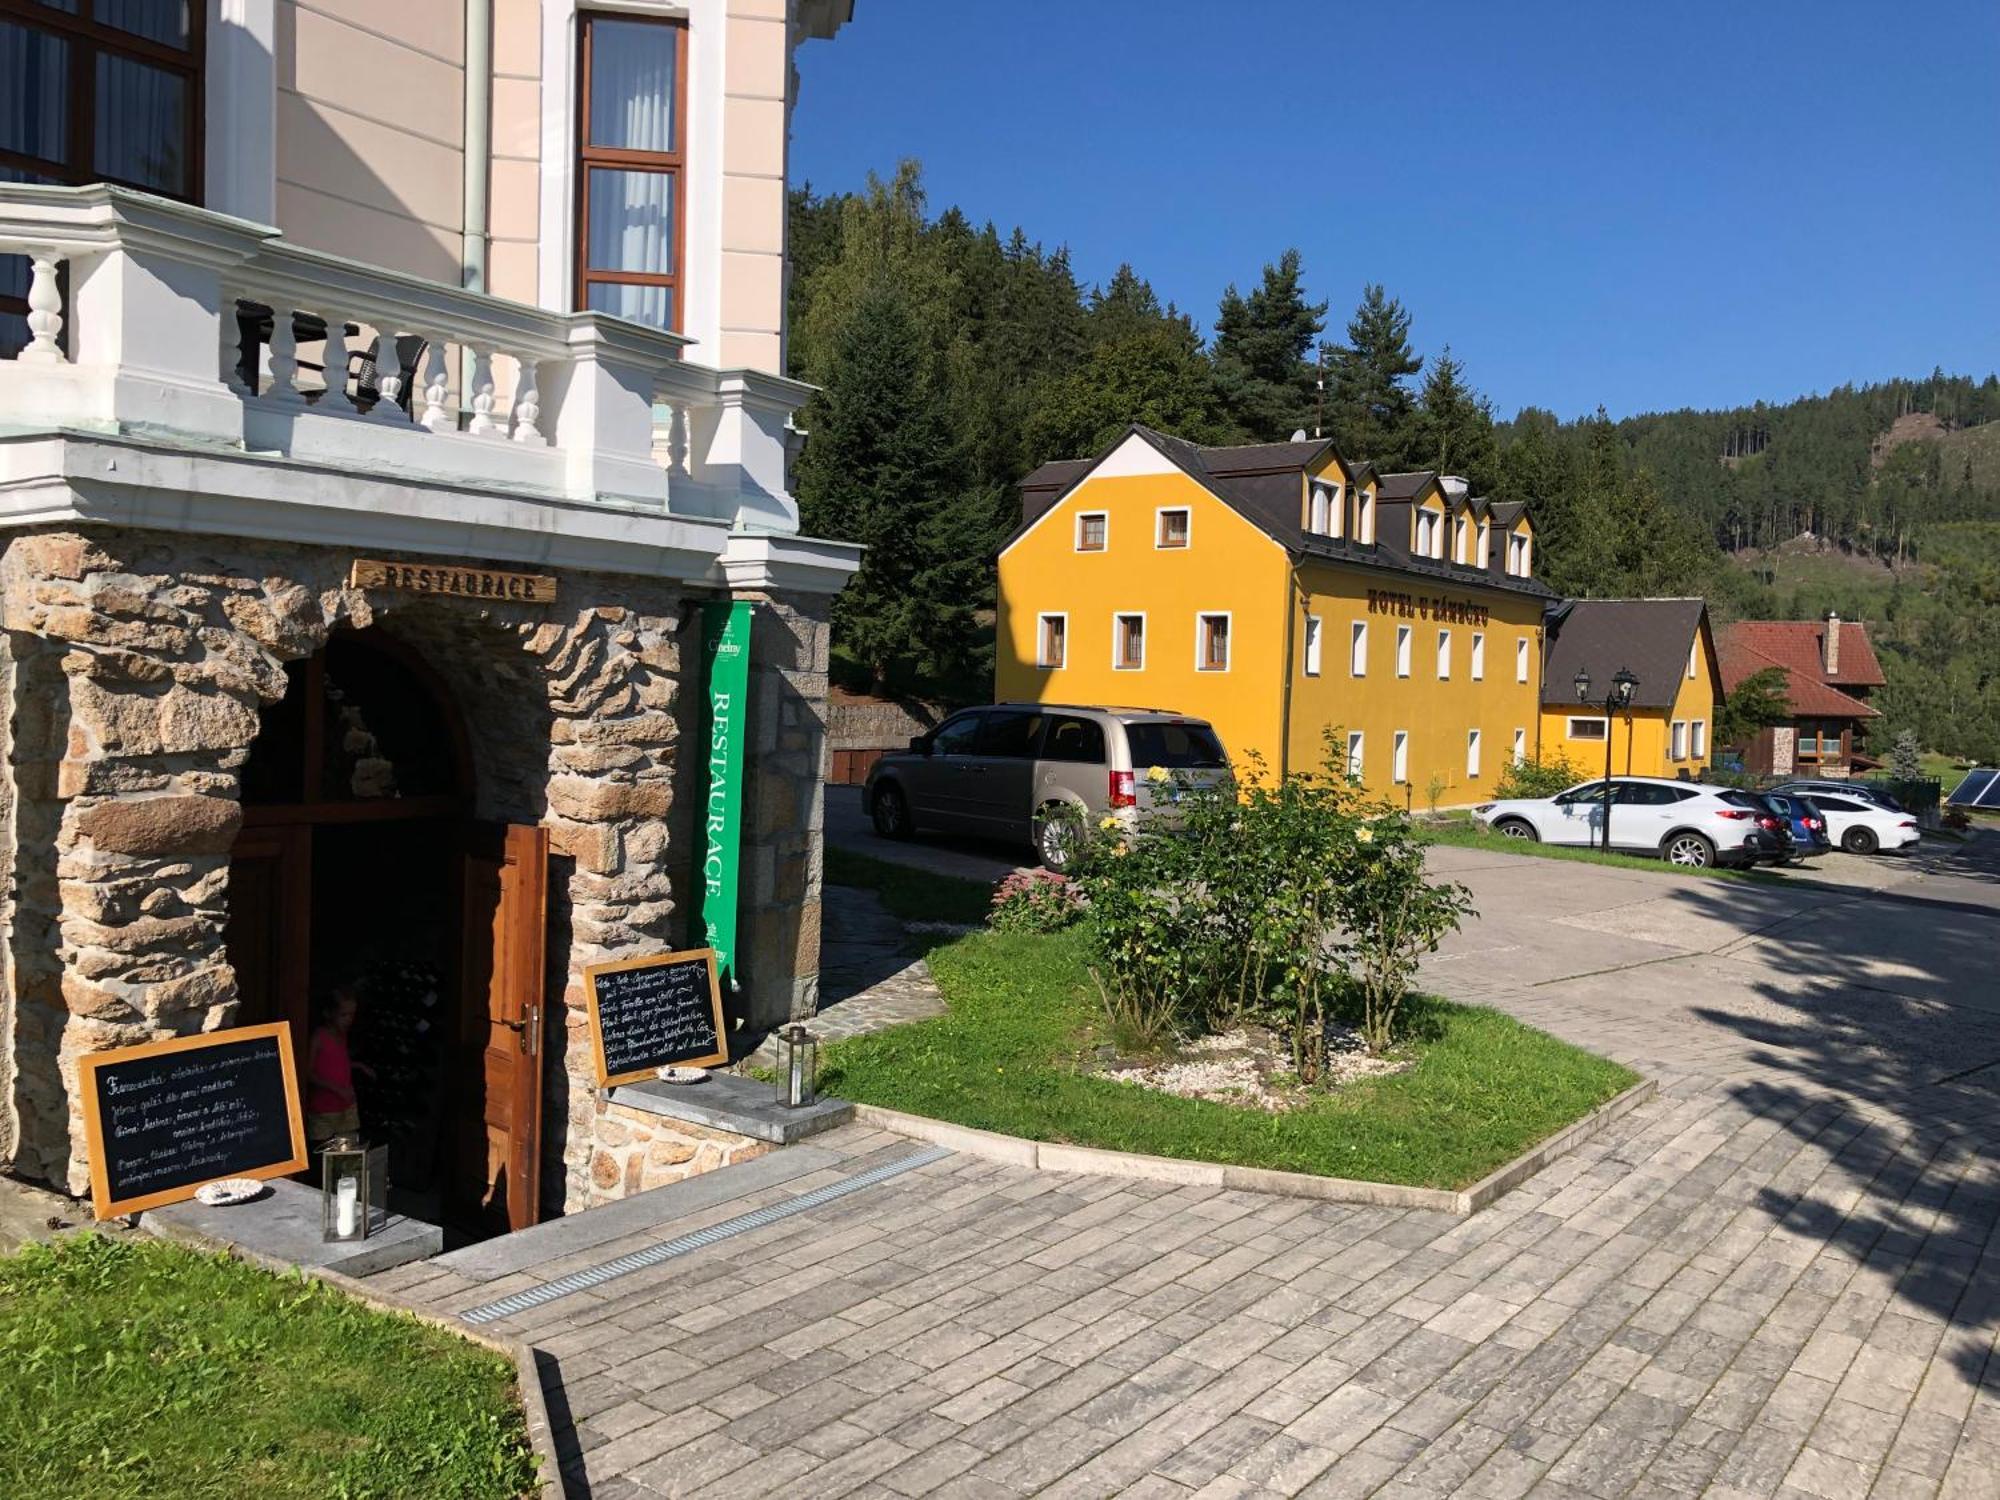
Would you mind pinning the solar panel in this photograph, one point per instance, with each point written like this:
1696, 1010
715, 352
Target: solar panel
1981, 788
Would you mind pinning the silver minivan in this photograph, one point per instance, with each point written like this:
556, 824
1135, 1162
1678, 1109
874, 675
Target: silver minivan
1040, 773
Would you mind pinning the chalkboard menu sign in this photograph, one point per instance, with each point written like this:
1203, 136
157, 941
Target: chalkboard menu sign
646, 1013
162, 1118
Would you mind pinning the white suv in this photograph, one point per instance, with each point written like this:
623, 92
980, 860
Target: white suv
1685, 822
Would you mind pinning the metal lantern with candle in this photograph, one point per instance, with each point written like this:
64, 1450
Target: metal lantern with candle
798, 1065
353, 1188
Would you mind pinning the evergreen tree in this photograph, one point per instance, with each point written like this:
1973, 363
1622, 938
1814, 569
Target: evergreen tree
1261, 346
1369, 401
1758, 702
1452, 429
879, 471
1156, 376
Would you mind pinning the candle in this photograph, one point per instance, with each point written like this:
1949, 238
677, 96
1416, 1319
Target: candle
346, 1195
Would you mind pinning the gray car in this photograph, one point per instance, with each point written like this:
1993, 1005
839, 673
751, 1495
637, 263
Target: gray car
1040, 773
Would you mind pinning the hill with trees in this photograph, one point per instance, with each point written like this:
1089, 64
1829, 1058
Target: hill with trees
952, 359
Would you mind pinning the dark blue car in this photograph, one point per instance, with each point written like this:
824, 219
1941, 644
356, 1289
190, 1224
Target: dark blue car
1808, 824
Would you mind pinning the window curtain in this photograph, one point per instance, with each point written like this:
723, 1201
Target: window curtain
141, 124
632, 85
33, 99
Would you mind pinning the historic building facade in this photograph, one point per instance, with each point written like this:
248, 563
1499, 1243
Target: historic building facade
353, 615
1286, 594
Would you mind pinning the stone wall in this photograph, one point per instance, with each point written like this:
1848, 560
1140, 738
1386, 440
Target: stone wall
636, 1150
138, 665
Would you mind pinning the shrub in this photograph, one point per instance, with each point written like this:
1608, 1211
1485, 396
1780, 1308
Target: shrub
1542, 775
1271, 898
1036, 901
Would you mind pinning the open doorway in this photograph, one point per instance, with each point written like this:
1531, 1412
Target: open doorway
360, 865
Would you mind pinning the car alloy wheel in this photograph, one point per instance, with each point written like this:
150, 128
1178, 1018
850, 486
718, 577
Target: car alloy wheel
1514, 828
892, 814
1692, 850
1860, 841
1057, 834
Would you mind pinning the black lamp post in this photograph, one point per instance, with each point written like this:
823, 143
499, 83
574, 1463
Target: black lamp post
1620, 696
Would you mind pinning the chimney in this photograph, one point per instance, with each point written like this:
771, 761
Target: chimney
1832, 649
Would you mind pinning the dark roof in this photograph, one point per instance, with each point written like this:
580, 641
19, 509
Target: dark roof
1649, 637
1406, 486
1261, 482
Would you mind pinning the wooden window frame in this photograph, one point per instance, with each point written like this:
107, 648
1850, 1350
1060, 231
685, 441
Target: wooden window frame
1119, 621
1042, 640
1204, 634
1160, 542
1093, 515
618, 158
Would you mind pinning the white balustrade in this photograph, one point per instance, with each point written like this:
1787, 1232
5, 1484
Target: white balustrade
163, 337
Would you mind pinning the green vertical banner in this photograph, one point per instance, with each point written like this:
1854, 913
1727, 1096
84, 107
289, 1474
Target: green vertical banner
725, 652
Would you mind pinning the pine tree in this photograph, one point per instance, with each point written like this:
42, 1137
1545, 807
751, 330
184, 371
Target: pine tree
1156, 376
1369, 400
1452, 429
878, 470
1261, 346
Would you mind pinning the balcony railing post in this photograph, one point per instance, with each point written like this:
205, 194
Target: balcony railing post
333, 363
482, 423
284, 387
44, 310
437, 416
388, 374
527, 401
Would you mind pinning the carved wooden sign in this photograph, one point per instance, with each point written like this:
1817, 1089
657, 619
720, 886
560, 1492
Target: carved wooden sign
458, 582
648, 1013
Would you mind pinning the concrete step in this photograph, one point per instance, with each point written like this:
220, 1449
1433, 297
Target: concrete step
525, 1249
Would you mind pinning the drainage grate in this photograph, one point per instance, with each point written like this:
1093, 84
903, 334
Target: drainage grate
652, 1255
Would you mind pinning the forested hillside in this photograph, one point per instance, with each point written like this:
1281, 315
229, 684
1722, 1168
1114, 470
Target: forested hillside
954, 358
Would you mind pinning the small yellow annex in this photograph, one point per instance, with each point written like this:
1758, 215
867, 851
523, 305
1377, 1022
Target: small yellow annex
1282, 592
1668, 729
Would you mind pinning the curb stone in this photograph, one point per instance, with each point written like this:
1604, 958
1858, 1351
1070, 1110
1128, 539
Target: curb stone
1051, 1156
527, 1370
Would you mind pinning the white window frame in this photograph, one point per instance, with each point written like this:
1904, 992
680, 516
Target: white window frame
1403, 634
1201, 619
1478, 656
1520, 747
1694, 655
1677, 740
1444, 656
1160, 528
1314, 644
1430, 533
1042, 640
1088, 515
1521, 659
1517, 554
1604, 726
1357, 649
1118, 619
1698, 740
1483, 558
1357, 751
1364, 528
1318, 510
1399, 757
1471, 755
1336, 510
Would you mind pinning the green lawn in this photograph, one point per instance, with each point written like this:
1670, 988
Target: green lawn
1462, 833
1008, 1057
913, 895
140, 1368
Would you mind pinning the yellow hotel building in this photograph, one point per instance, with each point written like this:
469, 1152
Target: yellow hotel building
1282, 592
1669, 646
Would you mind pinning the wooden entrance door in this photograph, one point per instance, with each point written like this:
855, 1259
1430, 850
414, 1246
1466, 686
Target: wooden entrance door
270, 925
506, 915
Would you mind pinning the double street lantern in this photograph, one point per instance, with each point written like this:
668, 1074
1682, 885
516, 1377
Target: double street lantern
1617, 699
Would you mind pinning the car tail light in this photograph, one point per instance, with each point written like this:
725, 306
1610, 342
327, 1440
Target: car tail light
1735, 815
1124, 789
1770, 823
1814, 824
1907, 823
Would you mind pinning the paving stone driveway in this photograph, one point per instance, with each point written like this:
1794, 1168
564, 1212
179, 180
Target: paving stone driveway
1781, 1277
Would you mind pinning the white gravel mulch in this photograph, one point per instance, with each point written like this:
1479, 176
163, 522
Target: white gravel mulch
1252, 1067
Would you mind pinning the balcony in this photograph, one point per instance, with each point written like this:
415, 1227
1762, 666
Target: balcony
243, 373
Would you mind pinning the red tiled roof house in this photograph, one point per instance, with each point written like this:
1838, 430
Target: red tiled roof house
1830, 670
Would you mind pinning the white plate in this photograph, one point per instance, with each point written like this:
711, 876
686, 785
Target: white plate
683, 1075
229, 1190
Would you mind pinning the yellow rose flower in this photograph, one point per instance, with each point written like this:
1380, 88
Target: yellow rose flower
1107, 822
1157, 775
1364, 835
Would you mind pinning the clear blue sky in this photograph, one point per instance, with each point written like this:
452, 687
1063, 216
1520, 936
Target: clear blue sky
1648, 206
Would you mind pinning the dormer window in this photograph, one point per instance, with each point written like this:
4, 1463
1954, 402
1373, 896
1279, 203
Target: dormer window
1319, 514
1364, 519
1430, 534
1484, 551
1459, 531
1517, 554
